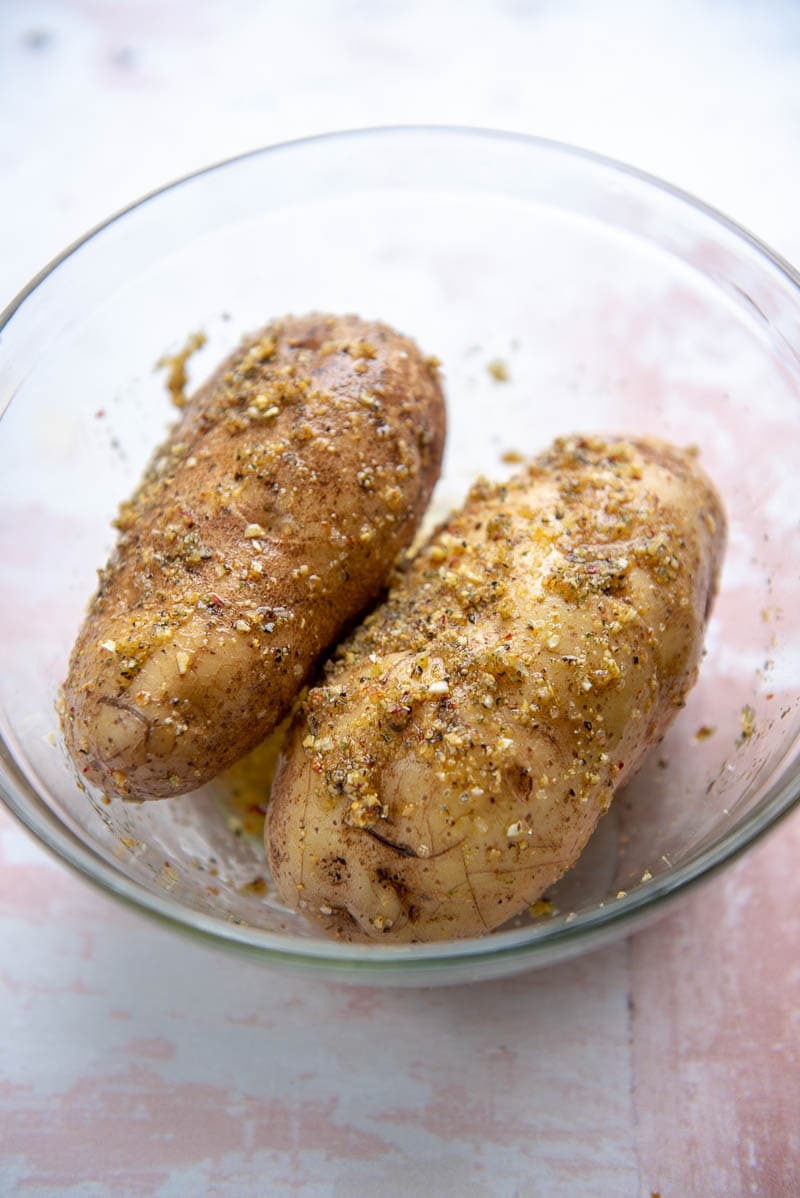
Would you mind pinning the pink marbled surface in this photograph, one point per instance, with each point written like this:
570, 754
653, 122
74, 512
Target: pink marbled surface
134, 1063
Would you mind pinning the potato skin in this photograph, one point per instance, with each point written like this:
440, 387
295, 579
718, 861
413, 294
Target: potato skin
264, 525
462, 746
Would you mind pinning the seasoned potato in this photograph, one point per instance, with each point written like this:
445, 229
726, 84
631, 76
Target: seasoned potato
461, 747
264, 525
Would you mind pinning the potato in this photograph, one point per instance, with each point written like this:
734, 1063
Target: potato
460, 749
263, 527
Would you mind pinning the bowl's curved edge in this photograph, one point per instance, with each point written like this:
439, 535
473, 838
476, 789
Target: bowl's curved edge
432, 965
405, 130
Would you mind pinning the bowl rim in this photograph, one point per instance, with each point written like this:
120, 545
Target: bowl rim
560, 935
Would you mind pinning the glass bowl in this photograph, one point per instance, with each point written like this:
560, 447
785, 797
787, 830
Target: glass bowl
615, 303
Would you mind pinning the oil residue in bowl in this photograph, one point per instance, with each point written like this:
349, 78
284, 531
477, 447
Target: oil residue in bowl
244, 789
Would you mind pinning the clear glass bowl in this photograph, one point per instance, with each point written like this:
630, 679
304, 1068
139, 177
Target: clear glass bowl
617, 304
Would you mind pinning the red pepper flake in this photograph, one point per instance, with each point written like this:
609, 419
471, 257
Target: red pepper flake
100, 413
216, 600
620, 765
317, 767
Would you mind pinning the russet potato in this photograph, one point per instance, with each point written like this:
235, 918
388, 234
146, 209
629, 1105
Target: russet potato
263, 527
460, 748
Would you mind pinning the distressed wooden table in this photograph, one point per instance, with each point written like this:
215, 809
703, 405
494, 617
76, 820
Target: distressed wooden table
132, 1063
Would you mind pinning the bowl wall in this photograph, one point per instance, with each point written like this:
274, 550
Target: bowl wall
617, 306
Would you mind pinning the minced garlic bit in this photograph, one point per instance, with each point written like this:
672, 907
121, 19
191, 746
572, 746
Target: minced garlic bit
364, 811
254, 530
109, 646
747, 720
175, 365
441, 687
182, 659
257, 886
498, 369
